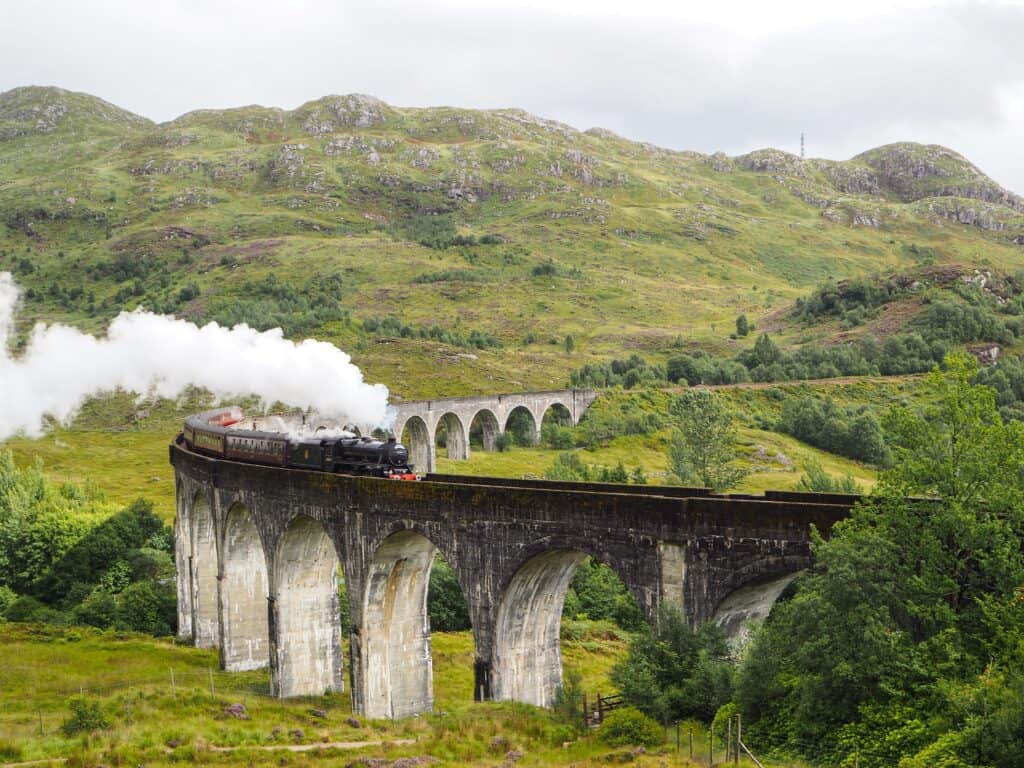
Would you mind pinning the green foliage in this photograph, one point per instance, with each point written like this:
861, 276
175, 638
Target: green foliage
609, 418
701, 368
567, 466
71, 559
87, 715
817, 480
858, 296
270, 303
628, 726
446, 604
597, 593
629, 373
568, 701
674, 672
569, 344
393, 327
436, 232
449, 276
703, 442
906, 639
742, 326
851, 432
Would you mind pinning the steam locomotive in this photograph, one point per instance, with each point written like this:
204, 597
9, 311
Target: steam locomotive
346, 453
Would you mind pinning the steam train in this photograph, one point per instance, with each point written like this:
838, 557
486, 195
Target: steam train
346, 453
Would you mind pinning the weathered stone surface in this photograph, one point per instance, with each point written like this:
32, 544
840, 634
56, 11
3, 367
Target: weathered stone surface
512, 544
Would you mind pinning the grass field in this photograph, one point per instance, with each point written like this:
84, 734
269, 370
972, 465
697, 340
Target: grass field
157, 724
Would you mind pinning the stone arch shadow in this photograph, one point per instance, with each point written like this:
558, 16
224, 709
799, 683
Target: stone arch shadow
517, 413
487, 422
456, 436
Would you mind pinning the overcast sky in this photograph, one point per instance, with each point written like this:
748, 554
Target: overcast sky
722, 75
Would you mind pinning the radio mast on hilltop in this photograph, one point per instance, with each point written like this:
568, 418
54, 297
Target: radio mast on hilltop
801, 145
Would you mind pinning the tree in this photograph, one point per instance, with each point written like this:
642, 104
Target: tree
673, 671
742, 326
702, 446
570, 344
905, 639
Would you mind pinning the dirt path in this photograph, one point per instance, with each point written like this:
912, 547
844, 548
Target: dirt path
835, 382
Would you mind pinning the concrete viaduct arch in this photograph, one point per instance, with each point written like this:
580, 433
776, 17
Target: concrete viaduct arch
252, 535
457, 414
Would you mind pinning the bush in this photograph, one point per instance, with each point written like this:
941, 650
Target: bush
627, 726
674, 672
504, 442
86, 716
567, 466
436, 232
817, 480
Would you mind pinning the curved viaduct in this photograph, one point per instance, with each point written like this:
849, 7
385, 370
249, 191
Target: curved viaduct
420, 420
259, 550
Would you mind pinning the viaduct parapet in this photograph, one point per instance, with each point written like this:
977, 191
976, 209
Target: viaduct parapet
420, 420
260, 551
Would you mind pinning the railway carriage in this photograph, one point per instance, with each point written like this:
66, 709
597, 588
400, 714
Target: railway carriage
211, 432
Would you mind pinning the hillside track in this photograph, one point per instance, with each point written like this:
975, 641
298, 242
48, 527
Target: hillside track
833, 382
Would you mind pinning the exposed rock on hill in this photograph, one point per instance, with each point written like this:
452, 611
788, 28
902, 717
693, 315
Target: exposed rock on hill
36, 110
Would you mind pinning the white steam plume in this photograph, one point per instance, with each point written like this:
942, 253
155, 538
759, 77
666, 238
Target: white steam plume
155, 354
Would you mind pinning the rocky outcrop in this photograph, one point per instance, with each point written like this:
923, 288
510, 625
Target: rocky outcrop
917, 171
970, 212
334, 113
772, 161
37, 110
850, 178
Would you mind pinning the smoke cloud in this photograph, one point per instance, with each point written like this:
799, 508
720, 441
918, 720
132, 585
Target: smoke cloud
154, 354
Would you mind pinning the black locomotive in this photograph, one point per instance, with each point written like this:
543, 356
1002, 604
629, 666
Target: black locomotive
210, 432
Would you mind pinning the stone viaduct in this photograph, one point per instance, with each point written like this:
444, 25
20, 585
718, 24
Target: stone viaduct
419, 420
260, 551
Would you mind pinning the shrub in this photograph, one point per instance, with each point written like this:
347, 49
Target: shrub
86, 716
504, 442
567, 466
630, 727
436, 232
817, 480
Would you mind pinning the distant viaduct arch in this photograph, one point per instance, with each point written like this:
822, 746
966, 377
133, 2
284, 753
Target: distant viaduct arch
420, 420
259, 549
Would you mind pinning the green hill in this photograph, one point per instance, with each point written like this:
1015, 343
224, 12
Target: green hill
490, 235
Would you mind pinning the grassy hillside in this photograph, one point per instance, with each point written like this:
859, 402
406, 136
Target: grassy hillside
490, 221
130, 677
